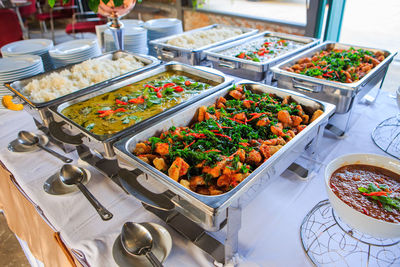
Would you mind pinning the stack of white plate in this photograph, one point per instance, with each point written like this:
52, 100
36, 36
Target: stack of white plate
74, 51
135, 40
39, 47
159, 28
17, 68
132, 22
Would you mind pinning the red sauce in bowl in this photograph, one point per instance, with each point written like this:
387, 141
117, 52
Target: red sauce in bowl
371, 190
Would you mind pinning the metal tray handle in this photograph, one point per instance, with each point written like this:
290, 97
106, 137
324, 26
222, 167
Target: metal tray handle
169, 55
56, 131
129, 181
227, 64
306, 87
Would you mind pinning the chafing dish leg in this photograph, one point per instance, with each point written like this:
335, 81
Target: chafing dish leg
368, 100
107, 167
65, 147
232, 235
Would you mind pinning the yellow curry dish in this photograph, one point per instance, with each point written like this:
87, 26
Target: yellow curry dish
114, 111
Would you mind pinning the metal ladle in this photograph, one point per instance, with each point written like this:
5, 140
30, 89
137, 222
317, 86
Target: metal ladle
137, 240
72, 175
30, 139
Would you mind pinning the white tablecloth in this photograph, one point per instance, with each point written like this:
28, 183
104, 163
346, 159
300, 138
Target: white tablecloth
270, 223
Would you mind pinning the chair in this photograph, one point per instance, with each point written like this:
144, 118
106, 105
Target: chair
27, 11
13, 31
61, 11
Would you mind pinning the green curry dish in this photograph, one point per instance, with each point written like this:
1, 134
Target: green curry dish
114, 111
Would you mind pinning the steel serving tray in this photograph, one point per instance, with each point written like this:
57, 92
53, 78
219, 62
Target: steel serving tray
340, 94
195, 56
103, 143
210, 211
39, 110
255, 71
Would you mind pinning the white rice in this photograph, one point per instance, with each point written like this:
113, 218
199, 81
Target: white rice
203, 38
78, 77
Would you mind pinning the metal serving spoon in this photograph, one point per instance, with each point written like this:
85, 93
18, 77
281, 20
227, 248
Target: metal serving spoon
72, 175
137, 240
30, 139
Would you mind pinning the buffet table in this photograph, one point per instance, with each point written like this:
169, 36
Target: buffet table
66, 230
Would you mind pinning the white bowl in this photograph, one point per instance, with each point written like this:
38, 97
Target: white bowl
355, 219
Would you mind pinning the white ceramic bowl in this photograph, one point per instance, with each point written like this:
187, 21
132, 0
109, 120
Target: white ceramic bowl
355, 219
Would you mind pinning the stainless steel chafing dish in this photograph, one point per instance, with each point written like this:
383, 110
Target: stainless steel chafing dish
39, 110
255, 71
103, 143
195, 56
340, 94
210, 212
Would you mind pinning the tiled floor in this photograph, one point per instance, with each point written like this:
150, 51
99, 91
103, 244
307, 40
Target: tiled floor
11, 254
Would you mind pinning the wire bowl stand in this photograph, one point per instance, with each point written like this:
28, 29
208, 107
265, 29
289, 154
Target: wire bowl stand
328, 241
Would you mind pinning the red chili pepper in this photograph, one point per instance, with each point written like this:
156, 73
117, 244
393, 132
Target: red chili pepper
106, 113
150, 86
325, 68
168, 85
261, 53
380, 193
178, 89
236, 120
244, 144
337, 74
102, 111
159, 95
197, 135
241, 55
119, 102
267, 43
157, 89
327, 75
190, 144
223, 135
187, 83
379, 203
138, 100
214, 131
212, 150
365, 211
120, 110
255, 117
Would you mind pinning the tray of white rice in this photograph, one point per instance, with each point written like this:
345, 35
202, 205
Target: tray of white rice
58, 85
189, 47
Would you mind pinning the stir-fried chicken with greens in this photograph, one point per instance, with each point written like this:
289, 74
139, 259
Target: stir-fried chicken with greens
338, 65
230, 139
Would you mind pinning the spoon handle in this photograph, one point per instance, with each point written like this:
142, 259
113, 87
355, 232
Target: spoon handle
65, 159
153, 260
103, 212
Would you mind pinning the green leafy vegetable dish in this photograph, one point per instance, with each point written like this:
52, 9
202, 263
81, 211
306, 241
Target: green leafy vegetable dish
228, 141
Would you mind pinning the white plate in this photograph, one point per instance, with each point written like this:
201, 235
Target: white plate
27, 46
73, 47
162, 23
13, 64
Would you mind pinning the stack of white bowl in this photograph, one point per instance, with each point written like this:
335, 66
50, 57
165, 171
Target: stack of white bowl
17, 68
135, 40
74, 51
39, 47
159, 28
